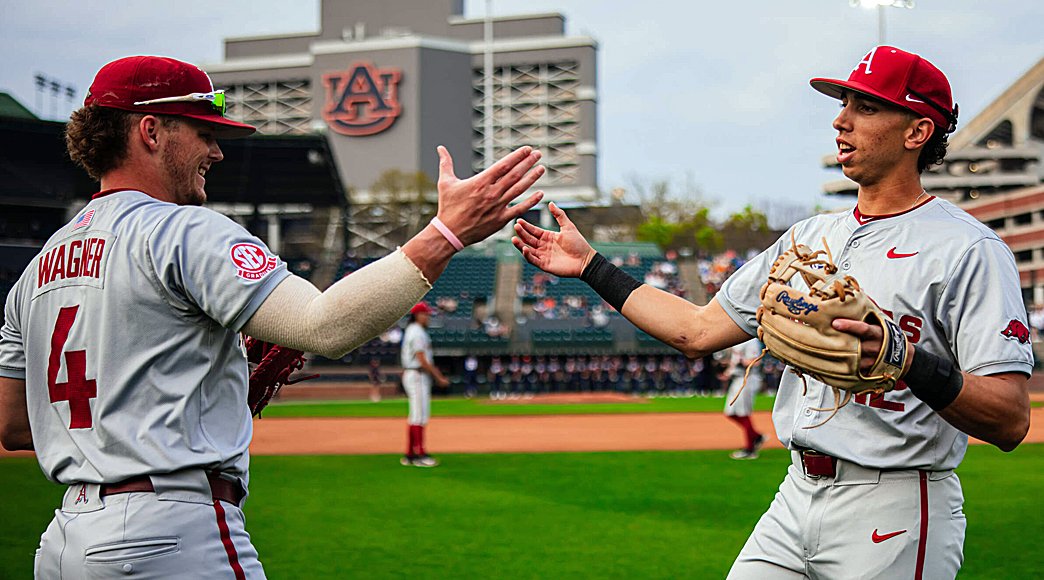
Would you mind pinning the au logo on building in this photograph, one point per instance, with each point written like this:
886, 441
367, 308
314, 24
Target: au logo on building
364, 100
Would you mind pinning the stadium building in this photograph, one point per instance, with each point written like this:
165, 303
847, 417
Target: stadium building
386, 81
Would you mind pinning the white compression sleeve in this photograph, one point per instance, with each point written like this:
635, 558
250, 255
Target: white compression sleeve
352, 311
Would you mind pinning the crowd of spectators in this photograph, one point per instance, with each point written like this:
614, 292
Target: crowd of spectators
540, 302
447, 304
491, 325
664, 276
714, 270
523, 376
649, 376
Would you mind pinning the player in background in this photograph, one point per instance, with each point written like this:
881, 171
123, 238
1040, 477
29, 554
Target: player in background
739, 400
495, 376
871, 492
471, 365
376, 379
554, 368
121, 359
418, 372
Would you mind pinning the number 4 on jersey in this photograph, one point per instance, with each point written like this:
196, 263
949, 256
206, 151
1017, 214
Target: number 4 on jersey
77, 389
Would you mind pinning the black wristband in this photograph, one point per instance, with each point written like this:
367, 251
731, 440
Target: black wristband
933, 379
611, 283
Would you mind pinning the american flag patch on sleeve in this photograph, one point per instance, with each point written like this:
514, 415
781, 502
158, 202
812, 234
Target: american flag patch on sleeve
84, 219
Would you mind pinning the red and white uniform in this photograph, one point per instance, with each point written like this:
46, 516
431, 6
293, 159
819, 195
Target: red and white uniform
952, 285
415, 380
125, 329
739, 400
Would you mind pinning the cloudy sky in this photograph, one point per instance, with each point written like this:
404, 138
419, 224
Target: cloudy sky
714, 93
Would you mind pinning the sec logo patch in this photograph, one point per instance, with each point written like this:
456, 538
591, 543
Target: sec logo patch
252, 261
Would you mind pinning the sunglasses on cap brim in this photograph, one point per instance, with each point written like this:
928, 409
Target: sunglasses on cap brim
215, 98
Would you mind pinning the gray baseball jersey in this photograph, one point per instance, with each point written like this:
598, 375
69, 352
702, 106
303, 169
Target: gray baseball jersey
414, 340
125, 329
415, 380
952, 286
739, 400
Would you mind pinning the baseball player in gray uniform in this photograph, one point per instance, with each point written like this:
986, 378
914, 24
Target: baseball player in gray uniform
121, 358
739, 400
418, 371
872, 492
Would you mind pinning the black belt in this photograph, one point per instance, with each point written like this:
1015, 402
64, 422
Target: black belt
220, 488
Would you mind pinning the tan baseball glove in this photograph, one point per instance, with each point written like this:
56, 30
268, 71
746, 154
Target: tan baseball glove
270, 368
795, 326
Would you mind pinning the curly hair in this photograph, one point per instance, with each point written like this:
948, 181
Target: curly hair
96, 138
934, 150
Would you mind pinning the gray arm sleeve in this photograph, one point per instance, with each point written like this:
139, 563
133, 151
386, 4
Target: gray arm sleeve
349, 313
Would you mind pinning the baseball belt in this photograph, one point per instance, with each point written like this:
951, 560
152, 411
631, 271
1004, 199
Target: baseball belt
221, 489
818, 464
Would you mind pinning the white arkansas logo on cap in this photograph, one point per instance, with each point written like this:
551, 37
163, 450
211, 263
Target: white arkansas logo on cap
252, 261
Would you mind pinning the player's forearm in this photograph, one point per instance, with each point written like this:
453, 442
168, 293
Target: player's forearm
695, 331
15, 434
21, 440
356, 309
992, 408
995, 409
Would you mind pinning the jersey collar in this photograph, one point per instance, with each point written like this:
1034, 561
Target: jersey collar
105, 192
864, 219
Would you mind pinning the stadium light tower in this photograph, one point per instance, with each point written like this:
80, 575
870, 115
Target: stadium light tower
487, 84
881, 5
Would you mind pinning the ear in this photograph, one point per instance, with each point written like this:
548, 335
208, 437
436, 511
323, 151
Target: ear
919, 132
148, 129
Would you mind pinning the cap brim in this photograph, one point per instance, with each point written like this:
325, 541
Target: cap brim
836, 87
224, 128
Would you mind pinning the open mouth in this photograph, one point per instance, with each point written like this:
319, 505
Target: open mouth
844, 151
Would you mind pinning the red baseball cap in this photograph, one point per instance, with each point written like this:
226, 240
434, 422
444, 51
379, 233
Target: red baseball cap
163, 86
421, 307
902, 79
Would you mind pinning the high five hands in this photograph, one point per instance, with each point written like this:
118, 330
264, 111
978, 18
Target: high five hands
563, 253
477, 207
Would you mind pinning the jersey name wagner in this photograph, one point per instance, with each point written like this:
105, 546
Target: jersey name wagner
77, 260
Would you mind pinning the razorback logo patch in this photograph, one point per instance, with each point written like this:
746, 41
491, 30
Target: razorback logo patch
1016, 330
252, 262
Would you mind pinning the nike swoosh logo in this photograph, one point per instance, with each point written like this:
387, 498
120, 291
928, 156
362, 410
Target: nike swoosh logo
893, 254
878, 538
913, 100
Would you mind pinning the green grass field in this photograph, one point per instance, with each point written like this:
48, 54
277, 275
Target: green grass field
554, 515
455, 407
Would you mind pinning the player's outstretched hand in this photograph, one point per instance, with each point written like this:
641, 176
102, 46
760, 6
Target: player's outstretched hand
477, 207
563, 253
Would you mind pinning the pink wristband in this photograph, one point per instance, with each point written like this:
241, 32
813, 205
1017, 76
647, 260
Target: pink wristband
452, 239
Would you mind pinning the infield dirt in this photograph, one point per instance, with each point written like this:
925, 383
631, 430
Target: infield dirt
521, 433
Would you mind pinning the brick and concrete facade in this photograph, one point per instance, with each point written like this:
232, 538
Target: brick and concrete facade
1018, 218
